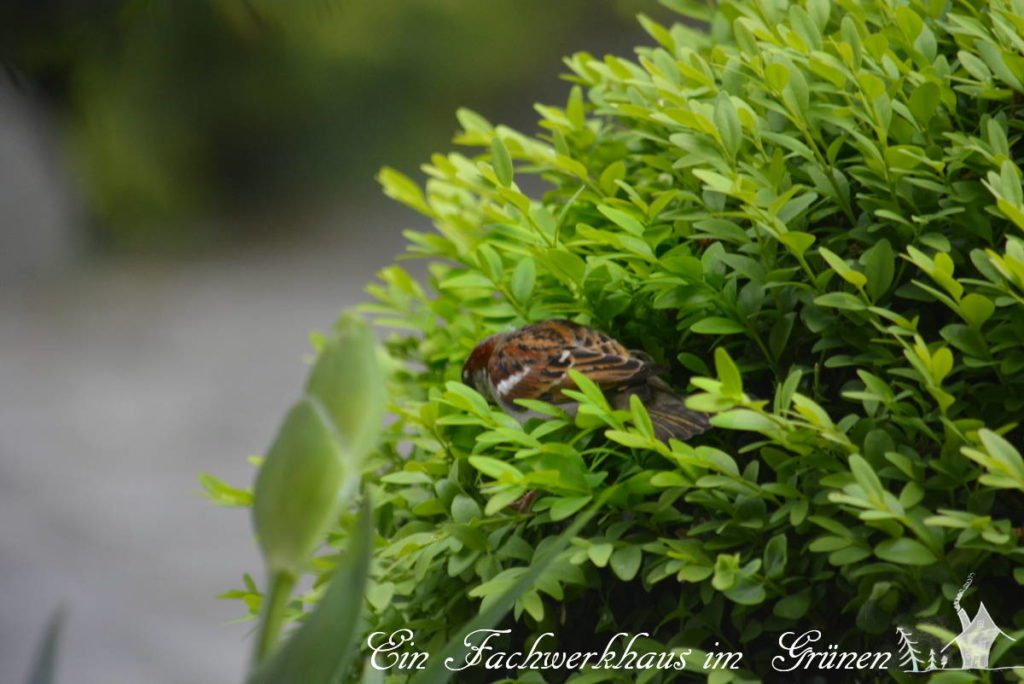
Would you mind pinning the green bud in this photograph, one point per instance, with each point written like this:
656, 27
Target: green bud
300, 488
312, 469
349, 382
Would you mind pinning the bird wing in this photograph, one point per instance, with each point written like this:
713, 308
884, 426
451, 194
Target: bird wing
535, 362
669, 415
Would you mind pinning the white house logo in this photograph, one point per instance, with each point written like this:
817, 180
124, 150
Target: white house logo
977, 637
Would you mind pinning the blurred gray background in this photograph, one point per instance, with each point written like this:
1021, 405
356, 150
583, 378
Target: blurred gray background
185, 194
123, 377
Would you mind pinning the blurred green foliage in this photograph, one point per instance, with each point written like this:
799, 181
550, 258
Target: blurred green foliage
178, 109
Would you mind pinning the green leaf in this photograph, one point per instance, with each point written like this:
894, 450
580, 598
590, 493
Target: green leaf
622, 219
400, 187
976, 309
796, 93
801, 23
499, 470
996, 134
523, 278
589, 389
348, 382
942, 364
855, 278
728, 373
716, 182
567, 266
777, 76
490, 262
454, 650
1001, 450
472, 122
717, 325
466, 398
728, 123
304, 481
775, 553
784, 394
797, 242
616, 171
599, 553
924, 101
467, 280
746, 593
829, 543
879, 266
407, 477
501, 161
794, 606
574, 110
629, 439
370, 674
694, 573
848, 555
873, 86
563, 507
974, 66
721, 229
744, 419
223, 494
626, 562
320, 651
905, 551
966, 339
640, 417
503, 499
668, 478
841, 300
533, 604
465, 509
866, 477
811, 410
1002, 460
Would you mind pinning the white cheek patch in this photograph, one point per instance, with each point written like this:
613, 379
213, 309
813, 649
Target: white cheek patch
564, 355
506, 385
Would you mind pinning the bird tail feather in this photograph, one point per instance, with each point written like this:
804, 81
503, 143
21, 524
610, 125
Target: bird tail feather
672, 420
669, 415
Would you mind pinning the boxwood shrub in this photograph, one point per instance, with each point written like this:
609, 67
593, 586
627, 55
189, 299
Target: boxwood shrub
812, 214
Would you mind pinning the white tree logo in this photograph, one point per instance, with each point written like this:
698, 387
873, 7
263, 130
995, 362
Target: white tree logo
977, 635
910, 657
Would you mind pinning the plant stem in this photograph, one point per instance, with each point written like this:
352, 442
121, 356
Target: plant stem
274, 603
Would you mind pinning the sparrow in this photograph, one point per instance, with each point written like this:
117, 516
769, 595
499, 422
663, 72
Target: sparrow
533, 362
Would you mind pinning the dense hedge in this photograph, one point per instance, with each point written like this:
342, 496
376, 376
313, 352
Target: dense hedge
810, 212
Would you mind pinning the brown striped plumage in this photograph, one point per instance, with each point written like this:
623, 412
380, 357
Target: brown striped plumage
532, 362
